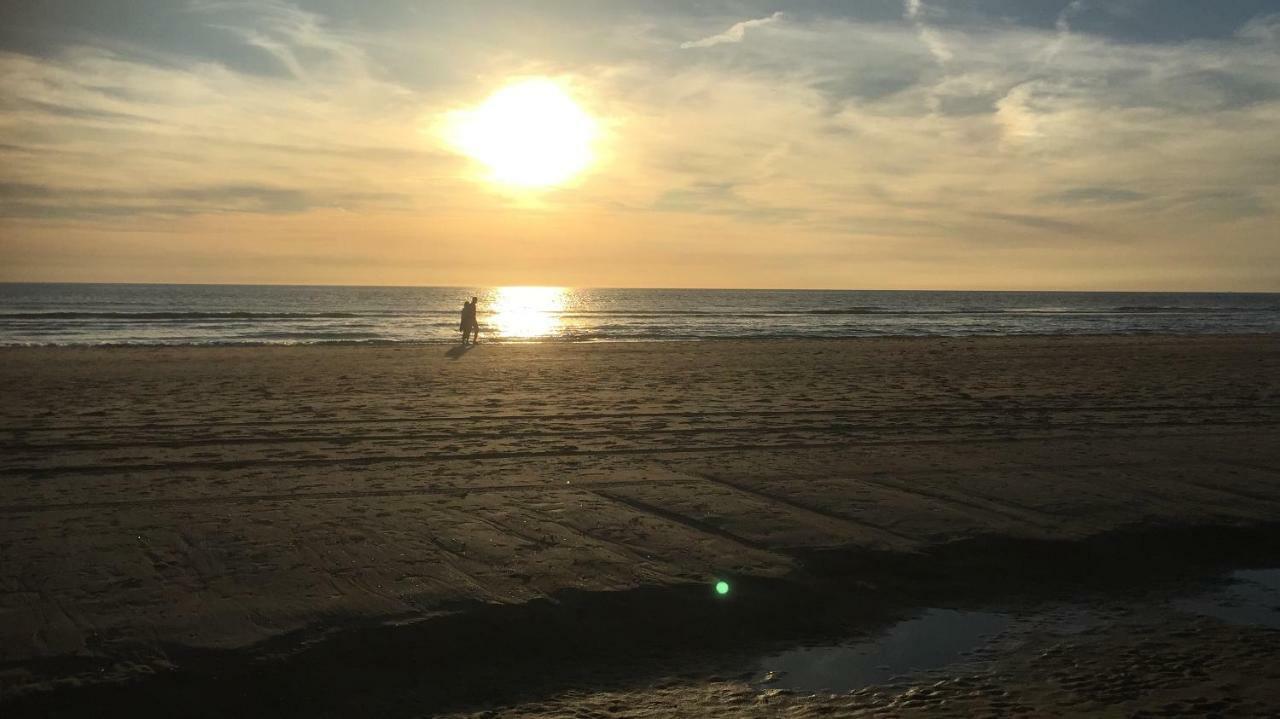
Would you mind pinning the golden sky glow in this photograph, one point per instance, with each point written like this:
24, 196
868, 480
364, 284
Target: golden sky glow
924, 144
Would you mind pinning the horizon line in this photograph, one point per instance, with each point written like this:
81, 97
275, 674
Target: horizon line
587, 287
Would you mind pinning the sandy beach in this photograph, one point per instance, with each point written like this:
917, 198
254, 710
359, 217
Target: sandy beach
623, 360
229, 527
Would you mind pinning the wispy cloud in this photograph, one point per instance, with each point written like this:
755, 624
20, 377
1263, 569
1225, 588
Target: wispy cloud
1062, 24
178, 136
734, 34
298, 39
1094, 196
1036, 222
915, 11
40, 201
1264, 28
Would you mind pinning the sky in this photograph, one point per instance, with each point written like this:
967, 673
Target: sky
877, 144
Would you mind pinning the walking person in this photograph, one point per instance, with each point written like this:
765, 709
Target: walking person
470, 326
465, 324
475, 324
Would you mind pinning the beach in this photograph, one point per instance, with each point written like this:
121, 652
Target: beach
217, 525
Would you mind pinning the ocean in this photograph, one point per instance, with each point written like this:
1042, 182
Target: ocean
121, 314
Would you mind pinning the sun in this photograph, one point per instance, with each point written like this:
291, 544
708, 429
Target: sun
529, 134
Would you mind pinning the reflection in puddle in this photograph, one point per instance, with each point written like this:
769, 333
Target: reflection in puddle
940, 638
1251, 596
933, 640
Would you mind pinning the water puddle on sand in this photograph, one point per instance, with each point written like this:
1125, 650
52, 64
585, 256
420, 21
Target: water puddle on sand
936, 639
1250, 596
945, 638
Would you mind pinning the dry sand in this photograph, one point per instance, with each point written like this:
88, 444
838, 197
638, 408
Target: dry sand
192, 511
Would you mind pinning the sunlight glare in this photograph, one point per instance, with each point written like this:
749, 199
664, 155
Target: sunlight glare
524, 312
529, 134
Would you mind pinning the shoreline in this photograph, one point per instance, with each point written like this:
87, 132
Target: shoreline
220, 512
519, 342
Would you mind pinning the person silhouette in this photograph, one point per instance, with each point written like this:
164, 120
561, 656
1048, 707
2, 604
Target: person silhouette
470, 326
464, 325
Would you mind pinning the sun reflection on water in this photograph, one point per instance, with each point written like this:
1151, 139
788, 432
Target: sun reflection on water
527, 312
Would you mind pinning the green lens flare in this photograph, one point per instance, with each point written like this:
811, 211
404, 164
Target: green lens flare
722, 587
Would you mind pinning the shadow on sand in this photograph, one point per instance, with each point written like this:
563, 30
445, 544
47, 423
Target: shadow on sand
457, 351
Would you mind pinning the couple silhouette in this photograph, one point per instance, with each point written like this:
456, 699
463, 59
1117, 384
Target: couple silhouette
469, 327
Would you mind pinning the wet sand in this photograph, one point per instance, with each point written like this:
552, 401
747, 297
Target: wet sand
170, 515
1156, 665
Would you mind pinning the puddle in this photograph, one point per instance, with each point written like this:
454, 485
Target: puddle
943, 638
1251, 596
934, 640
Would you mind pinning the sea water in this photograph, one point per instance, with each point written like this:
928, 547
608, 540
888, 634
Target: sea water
94, 314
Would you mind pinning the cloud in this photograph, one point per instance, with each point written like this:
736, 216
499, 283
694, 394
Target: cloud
173, 135
1264, 28
915, 10
1062, 24
19, 199
734, 34
1037, 222
295, 38
1228, 205
721, 199
1094, 196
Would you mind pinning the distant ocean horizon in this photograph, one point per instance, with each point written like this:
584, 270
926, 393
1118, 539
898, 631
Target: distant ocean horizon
75, 314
